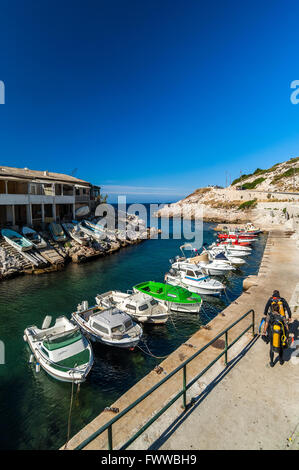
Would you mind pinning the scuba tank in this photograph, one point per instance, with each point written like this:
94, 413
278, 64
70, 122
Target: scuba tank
279, 339
277, 301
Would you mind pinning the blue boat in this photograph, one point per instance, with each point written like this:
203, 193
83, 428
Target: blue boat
16, 240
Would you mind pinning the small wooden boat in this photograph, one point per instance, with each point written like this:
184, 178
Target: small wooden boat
61, 350
16, 240
34, 237
57, 232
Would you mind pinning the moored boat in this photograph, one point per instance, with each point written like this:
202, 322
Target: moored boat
109, 326
193, 278
141, 307
61, 350
177, 299
16, 240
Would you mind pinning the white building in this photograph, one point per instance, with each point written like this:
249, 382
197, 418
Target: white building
29, 197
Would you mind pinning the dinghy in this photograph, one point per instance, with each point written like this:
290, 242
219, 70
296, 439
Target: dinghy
175, 298
34, 237
61, 350
16, 240
109, 326
141, 307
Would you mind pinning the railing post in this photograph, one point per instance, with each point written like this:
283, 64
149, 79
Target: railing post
110, 447
253, 322
184, 387
226, 346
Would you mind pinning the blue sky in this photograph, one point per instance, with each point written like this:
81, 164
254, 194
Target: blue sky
150, 99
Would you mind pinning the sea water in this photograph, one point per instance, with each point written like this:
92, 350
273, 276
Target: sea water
33, 406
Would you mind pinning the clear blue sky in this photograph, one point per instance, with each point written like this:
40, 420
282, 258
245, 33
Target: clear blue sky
151, 99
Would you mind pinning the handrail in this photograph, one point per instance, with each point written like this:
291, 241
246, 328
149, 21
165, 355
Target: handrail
108, 426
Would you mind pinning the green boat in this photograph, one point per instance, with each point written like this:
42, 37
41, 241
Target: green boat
176, 298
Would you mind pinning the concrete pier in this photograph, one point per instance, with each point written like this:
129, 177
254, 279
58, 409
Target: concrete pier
247, 405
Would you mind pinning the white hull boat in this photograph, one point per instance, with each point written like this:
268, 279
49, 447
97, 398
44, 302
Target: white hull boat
141, 307
109, 326
221, 256
193, 278
61, 350
76, 234
16, 240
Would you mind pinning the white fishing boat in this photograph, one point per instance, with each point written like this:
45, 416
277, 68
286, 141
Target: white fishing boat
232, 249
222, 255
16, 240
141, 307
214, 267
193, 278
61, 350
76, 233
34, 237
109, 326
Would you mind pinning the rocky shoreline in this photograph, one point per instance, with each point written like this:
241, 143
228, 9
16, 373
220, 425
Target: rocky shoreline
12, 264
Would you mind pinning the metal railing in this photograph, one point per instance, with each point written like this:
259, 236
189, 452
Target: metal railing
183, 392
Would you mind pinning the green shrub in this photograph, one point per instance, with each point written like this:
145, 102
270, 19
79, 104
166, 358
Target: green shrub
253, 183
247, 205
286, 174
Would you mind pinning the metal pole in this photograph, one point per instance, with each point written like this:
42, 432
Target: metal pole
253, 322
184, 387
110, 447
226, 345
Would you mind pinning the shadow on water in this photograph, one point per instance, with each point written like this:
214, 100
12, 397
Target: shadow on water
33, 406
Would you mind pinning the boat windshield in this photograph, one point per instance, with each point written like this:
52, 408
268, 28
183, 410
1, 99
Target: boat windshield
118, 329
62, 341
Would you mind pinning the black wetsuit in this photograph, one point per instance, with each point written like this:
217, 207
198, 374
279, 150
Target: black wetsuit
284, 303
271, 318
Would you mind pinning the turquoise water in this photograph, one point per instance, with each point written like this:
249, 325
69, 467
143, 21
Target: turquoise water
34, 407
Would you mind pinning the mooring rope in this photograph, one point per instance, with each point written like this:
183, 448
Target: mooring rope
69, 417
150, 353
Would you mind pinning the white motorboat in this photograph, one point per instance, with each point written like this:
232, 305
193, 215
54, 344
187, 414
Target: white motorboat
214, 267
61, 350
34, 237
109, 326
76, 234
193, 278
234, 250
98, 229
141, 307
221, 255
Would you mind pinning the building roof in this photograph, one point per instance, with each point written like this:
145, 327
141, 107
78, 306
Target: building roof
25, 173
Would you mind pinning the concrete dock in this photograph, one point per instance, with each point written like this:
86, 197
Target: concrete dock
246, 405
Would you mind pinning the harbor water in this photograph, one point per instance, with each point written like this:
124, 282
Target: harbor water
34, 407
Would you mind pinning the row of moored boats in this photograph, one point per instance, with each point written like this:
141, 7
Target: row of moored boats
64, 350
